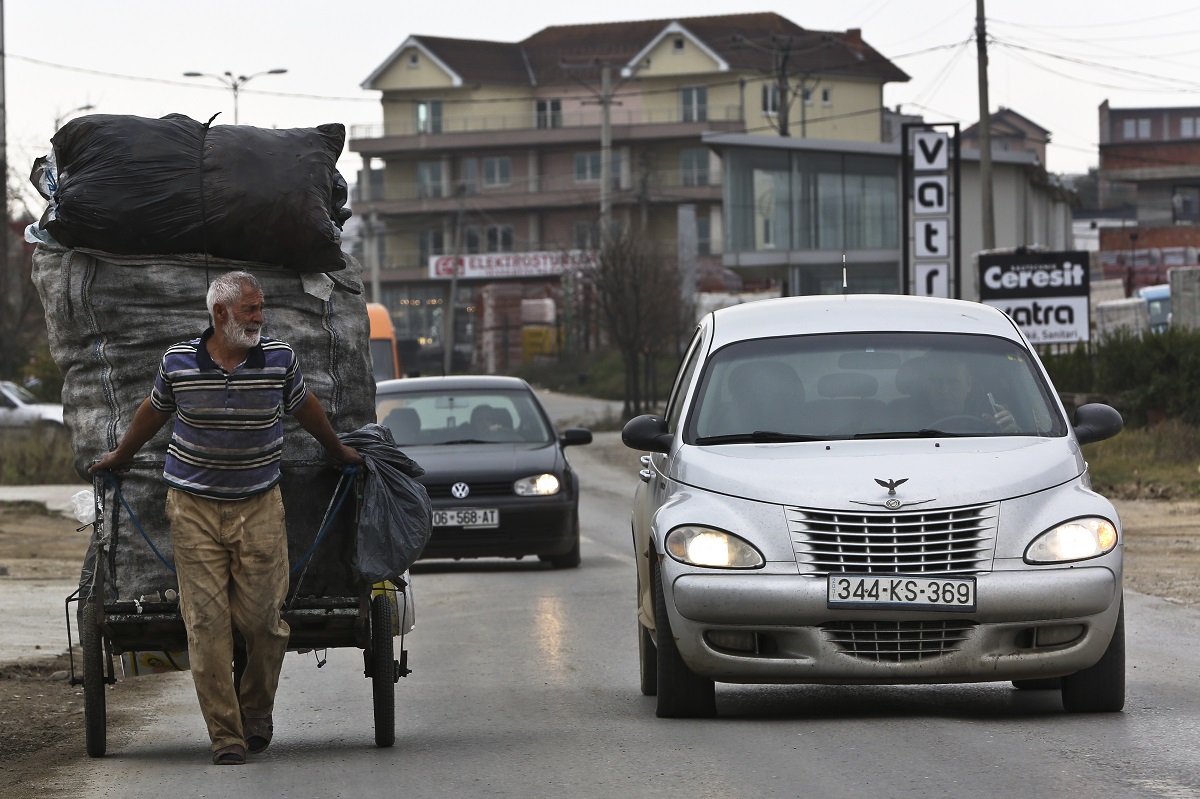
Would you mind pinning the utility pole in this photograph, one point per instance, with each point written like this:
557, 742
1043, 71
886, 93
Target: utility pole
460, 192
3, 153
985, 132
605, 153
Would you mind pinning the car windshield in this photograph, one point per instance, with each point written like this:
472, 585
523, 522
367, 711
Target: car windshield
462, 417
871, 385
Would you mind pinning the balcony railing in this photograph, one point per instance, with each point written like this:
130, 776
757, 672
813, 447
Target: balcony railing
589, 117
544, 185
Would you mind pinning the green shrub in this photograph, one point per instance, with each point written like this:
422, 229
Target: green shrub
39, 456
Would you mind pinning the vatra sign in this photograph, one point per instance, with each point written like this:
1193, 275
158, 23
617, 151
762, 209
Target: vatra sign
930, 210
1045, 293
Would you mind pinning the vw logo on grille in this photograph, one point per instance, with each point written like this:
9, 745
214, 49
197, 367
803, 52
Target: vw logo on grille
460, 490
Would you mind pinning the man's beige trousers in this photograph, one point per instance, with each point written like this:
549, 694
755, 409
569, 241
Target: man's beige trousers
232, 563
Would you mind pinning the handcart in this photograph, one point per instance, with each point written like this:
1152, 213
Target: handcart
110, 626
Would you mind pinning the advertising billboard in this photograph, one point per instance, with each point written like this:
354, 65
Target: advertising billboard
1045, 293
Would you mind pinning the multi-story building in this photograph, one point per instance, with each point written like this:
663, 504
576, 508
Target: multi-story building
1157, 151
493, 150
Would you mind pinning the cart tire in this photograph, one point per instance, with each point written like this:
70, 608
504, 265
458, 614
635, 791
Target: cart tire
383, 671
93, 679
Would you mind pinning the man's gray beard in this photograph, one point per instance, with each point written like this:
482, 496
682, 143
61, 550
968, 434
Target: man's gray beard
238, 336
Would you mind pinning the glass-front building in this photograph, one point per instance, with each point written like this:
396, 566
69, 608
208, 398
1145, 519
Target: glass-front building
796, 207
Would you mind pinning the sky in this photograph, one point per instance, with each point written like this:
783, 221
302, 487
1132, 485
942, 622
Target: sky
1054, 62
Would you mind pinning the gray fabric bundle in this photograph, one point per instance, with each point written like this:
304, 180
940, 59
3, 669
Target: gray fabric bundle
111, 317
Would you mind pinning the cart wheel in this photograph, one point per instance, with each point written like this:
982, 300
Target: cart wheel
93, 679
383, 671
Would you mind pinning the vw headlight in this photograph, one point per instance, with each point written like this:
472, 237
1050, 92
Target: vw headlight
542, 485
702, 546
1078, 539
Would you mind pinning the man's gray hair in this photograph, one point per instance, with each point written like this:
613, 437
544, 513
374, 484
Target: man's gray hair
226, 290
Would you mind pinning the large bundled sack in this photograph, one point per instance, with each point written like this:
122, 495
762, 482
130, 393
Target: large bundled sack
110, 318
137, 186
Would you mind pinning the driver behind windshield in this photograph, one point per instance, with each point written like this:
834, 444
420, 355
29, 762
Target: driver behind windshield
946, 387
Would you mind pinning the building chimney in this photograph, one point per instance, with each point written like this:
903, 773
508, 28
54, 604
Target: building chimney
853, 39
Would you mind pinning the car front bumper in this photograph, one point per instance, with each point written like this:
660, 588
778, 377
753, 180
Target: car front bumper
528, 526
1028, 624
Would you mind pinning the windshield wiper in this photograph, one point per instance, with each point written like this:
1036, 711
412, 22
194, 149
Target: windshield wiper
757, 437
466, 441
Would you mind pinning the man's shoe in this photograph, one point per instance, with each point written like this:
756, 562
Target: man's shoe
257, 733
232, 755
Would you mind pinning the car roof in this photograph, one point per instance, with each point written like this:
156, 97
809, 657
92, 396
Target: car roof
406, 385
853, 313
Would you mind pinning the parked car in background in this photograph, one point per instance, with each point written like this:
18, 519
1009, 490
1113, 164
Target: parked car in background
21, 410
872, 489
1158, 305
495, 468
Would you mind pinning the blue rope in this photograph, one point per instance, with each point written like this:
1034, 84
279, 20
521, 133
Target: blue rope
133, 517
342, 489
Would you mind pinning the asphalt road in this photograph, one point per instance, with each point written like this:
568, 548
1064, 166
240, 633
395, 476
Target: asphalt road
525, 685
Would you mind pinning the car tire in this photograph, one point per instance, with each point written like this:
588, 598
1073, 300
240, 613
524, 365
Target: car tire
648, 662
681, 692
1099, 688
571, 558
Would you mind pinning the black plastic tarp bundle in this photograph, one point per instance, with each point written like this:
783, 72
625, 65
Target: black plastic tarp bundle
136, 186
396, 516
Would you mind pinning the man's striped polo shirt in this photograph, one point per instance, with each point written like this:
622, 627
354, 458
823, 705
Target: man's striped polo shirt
228, 435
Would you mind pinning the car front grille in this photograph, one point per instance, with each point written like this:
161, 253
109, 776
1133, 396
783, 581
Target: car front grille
501, 488
897, 641
954, 541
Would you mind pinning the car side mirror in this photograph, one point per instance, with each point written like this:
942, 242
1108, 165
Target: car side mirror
575, 435
1096, 422
647, 433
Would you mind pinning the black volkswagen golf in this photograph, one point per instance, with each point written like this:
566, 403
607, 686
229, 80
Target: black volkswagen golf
495, 468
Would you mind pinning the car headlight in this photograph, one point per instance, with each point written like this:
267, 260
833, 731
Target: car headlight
1078, 539
703, 546
542, 485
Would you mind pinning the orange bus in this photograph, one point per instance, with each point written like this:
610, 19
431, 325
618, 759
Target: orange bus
385, 357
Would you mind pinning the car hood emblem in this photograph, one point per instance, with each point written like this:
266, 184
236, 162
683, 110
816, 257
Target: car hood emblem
460, 490
892, 503
890, 485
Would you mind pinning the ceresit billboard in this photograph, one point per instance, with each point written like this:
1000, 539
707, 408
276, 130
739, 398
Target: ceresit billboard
1045, 293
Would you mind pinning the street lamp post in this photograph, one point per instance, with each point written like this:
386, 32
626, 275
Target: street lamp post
232, 83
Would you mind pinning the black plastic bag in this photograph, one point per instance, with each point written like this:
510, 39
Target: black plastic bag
396, 516
137, 186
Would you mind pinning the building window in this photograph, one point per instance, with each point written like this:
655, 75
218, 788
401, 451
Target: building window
693, 167
413, 60
549, 113
587, 235
806, 92
677, 45
826, 96
470, 175
587, 167
1135, 129
430, 242
1185, 205
429, 179
703, 235
472, 241
694, 102
429, 116
499, 238
770, 99
1189, 127
497, 171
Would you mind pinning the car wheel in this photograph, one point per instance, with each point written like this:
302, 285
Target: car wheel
1100, 688
569, 559
681, 692
648, 662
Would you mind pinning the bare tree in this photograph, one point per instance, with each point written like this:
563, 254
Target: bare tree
638, 294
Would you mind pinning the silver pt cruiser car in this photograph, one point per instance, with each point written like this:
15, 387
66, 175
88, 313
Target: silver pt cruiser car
872, 489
